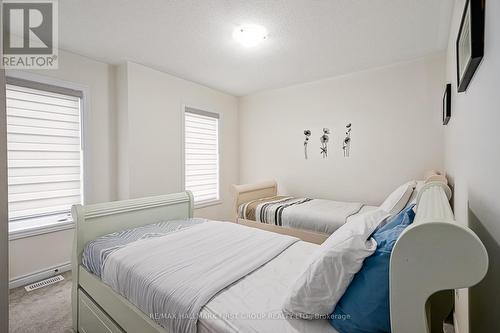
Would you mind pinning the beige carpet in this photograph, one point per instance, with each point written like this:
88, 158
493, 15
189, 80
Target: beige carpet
45, 310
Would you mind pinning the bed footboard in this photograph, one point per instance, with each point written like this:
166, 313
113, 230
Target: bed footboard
433, 254
305, 235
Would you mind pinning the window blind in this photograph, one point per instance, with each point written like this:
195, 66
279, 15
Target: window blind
44, 152
201, 155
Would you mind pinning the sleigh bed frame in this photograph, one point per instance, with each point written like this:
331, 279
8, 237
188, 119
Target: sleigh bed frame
248, 192
433, 254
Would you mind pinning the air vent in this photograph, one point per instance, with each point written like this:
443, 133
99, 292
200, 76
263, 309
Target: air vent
44, 283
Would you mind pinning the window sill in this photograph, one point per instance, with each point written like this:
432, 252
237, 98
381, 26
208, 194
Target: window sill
69, 224
207, 204
40, 230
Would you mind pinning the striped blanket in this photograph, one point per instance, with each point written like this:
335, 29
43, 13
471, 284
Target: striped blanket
318, 215
97, 251
268, 210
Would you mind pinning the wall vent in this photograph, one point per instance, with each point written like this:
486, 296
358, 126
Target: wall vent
44, 283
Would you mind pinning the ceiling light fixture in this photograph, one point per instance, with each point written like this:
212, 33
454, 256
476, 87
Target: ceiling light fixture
250, 35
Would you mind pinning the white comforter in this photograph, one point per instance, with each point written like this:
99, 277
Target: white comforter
319, 215
171, 278
254, 303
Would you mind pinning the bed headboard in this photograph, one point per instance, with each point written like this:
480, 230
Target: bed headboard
434, 253
97, 220
248, 192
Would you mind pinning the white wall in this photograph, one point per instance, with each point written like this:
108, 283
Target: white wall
395, 113
38, 254
472, 162
32, 254
150, 118
148, 128
121, 126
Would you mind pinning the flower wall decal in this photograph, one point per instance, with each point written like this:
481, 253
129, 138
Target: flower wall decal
307, 133
324, 142
347, 140
325, 138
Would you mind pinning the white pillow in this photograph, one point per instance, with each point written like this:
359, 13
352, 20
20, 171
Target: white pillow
331, 269
413, 198
398, 199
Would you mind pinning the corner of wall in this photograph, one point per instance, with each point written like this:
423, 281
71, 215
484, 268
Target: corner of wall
4, 229
461, 311
239, 110
113, 135
121, 131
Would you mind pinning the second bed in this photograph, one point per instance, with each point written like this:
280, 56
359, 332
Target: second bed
313, 220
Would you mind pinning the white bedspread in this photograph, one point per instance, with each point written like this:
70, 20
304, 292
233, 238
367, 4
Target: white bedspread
319, 215
254, 303
171, 278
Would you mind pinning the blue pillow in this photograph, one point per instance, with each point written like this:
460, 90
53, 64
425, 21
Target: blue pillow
405, 217
364, 307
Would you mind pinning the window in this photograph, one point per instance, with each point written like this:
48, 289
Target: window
44, 154
201, 155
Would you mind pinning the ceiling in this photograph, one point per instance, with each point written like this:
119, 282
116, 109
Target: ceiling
308, 39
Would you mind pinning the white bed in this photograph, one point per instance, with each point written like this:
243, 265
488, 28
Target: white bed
260, 295
312, 220
420, 266
318, 215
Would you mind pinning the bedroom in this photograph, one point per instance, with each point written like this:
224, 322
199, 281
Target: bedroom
233, 88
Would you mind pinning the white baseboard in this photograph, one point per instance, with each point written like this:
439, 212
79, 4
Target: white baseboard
24, 280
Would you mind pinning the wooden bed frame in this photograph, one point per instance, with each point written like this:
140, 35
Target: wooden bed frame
433, 254
248, 192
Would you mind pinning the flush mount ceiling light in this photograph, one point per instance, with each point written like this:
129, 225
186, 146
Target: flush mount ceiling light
250, 35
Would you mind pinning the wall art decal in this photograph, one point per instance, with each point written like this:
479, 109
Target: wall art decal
307, 133
347, 140
324, 142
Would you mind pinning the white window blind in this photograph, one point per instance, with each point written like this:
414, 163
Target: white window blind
44, 153
202, 155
